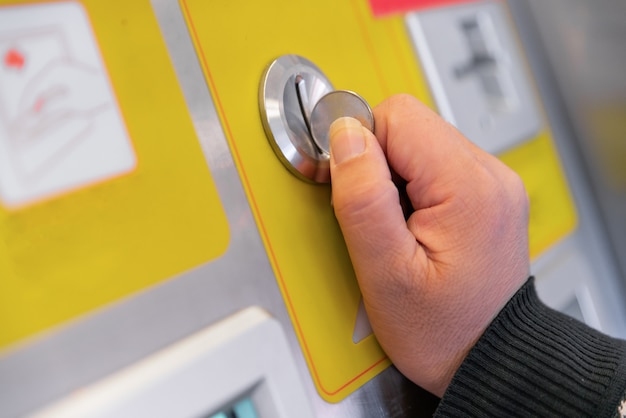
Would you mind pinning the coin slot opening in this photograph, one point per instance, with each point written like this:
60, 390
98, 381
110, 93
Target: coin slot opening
305, 109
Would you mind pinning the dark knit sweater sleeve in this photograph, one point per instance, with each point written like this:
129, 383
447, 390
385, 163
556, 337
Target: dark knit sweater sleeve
535, 361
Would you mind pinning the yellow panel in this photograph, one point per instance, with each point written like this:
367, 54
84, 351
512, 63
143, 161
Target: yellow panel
78, 251
235, 42
552, 213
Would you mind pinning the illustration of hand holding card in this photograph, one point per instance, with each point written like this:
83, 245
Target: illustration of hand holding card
60, 126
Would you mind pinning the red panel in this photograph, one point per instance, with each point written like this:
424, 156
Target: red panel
386, 7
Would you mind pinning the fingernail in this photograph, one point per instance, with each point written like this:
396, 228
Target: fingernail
347, 139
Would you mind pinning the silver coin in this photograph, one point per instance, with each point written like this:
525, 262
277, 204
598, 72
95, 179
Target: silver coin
334, 105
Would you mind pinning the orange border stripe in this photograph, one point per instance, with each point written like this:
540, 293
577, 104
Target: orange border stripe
260, 219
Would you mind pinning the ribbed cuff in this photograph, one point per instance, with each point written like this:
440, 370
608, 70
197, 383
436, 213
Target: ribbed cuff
535, 361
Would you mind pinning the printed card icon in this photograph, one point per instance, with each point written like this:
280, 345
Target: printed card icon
60, 125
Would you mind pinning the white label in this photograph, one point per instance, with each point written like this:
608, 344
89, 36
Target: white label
60, 125
476, 72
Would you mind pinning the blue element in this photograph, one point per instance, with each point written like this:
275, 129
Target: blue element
245, 409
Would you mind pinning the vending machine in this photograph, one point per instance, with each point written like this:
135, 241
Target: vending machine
168, 245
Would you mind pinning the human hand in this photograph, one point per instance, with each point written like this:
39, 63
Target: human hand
433, 283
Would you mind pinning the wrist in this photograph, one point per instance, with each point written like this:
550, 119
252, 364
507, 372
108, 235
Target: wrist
530, 362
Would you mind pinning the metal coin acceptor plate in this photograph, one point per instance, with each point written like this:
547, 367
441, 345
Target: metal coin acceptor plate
290, 87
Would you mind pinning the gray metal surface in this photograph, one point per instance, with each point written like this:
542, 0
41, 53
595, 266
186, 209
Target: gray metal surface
599, 283
584, 47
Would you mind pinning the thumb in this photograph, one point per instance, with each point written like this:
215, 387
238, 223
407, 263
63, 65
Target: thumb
366, 203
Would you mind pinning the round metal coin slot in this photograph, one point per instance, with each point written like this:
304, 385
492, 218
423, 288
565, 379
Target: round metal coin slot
289, 89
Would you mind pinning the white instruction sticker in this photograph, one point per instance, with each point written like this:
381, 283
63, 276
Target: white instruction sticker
60, 124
